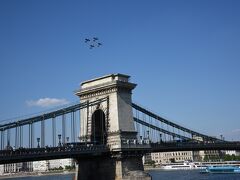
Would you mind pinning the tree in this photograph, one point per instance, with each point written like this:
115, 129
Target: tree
172, 160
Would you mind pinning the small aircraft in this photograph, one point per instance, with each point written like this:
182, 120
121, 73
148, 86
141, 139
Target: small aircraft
91, 46
93, 42
87, 40
95, 39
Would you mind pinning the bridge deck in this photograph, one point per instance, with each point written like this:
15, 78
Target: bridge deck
91, 151
194, 146
36, 154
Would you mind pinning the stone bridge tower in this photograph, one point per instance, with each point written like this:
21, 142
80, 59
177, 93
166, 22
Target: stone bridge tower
109, 122
112, 120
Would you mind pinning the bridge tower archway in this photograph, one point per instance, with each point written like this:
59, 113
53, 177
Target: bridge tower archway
107, 118
98, 127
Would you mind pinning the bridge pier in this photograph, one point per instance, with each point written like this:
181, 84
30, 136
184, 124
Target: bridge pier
131, 168
111, 168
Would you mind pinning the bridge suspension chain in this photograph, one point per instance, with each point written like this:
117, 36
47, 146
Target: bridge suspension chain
150, 127
18, 138
158, 129
187, 133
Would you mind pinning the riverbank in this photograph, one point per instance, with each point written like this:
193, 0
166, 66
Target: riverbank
33, 174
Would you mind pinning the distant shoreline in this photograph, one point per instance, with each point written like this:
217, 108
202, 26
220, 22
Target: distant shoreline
34, 174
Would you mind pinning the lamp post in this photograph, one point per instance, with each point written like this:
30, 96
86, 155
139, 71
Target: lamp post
141, 139
38, 140
221, 136
160, 136
147, 134
59, 137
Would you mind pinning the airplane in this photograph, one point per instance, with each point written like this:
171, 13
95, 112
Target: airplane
99, 44
95, 39
86, 40
91, 46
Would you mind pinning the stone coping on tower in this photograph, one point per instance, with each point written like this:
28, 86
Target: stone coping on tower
109, 77
105, 82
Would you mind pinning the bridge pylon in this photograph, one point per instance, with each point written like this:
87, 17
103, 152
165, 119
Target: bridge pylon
110, 123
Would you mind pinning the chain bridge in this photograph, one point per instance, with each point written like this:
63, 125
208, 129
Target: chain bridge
105, 133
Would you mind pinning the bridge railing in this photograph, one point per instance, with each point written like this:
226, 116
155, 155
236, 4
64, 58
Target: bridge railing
191, 146
135, 143
66, 151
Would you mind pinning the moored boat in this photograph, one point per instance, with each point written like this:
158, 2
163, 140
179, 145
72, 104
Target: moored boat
223, 169
183, 166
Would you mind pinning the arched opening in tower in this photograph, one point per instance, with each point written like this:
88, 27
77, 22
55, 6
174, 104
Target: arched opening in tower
98, 127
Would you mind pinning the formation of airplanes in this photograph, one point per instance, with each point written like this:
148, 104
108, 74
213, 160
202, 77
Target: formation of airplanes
93, 42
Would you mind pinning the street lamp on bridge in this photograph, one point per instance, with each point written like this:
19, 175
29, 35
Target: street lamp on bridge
160, 136
59, 137
147, 134
38, 140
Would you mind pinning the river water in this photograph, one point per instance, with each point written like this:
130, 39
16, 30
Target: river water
190, 175
156, 175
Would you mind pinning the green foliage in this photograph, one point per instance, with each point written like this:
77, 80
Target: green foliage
56, 169
172, 160
212, 158
150, 163
206, 158
228, 157
69, 168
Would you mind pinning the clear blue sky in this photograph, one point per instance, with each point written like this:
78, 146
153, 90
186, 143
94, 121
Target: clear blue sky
184, 56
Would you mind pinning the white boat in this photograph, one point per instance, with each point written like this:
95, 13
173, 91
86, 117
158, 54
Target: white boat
183, 166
